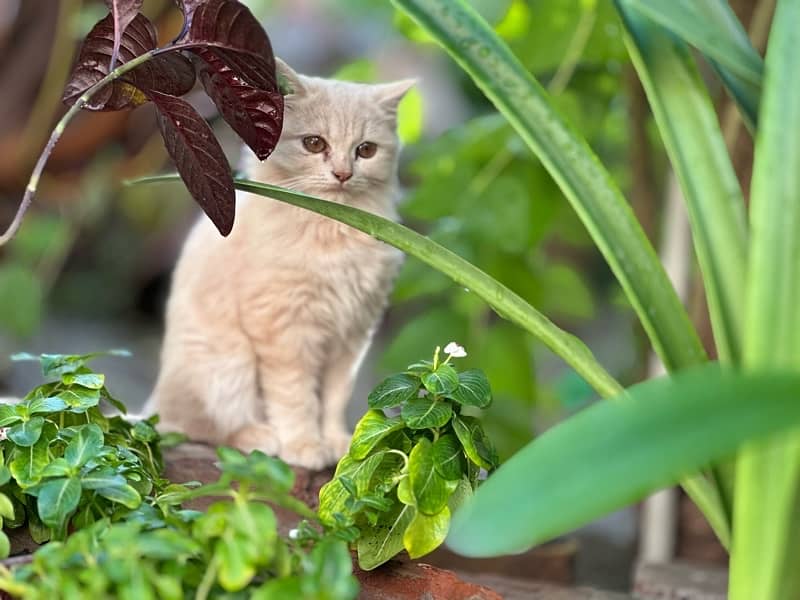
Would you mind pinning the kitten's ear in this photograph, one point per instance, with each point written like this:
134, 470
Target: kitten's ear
390, 94
288, 80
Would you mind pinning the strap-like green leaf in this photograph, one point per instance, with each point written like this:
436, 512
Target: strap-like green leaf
572, 164
767, 507
615, 453
712, 27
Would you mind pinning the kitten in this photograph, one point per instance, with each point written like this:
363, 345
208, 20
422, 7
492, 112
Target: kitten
266, 329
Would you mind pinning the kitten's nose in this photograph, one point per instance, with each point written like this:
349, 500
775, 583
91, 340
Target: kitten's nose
342, 176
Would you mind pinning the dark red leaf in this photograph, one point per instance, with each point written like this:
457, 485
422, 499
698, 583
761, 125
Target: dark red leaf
199, 158
256, 115
187, 8
227, 29
122, 13
169, 73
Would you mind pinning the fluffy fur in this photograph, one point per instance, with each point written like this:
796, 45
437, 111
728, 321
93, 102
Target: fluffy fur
266, 328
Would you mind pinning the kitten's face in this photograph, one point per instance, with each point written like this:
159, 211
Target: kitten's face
339, 139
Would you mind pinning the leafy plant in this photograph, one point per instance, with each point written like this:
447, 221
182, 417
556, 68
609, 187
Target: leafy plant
404, 475
65, 464
232, 550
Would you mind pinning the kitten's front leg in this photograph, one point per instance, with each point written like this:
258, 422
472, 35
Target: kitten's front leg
293, 414
337, 389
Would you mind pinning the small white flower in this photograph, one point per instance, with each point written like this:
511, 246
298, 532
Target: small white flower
294, 534
454, 350
3, 433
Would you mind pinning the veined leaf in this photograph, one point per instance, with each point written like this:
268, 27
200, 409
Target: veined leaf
473, 389
448, 457
333, 495
393, 391
584, 467
122, 13
84, 446
92, 381
475, 443
370, 430
426, 413
46, 405
443, 380
58, 498
425, 533
766, 519
27, 463
429, 488
121, 494
26, 433
384, 541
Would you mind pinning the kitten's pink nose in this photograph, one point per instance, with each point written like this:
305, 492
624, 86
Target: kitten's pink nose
342, 176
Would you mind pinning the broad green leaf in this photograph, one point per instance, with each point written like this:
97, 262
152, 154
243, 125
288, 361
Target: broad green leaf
332, 570
462, 493
103, 477
5, 474
58, 498
689, 127
144, 432
46, 405
429, 488
93, 381
26, 433
441, 381
713, 28
475, 443
8, 415
28, 463
121, 494
473, 389
58, 468
370, 430
569, 160
384, 541
80, 399
235, 571
6, 507
84, 446
404, 492
393, 391
766, 543
426, 413
505, 302
5, 545
448, 457
425, 533
584, 467
333, 495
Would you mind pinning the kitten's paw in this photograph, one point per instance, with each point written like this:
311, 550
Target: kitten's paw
304, 452
258, 436
337, 444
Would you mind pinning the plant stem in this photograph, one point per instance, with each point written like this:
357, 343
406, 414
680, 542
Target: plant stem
33, 182
208, 580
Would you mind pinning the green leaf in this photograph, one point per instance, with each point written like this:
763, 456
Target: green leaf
144, 432
711, 27
58, 468
5, 545
80, 399
766, 525
393, 391
121, 494
84, 446
384, 541
6, 507
332, 571
476, 446
104, 477
584, 467
441, 381
5, 475
689, 127
370, 430
93, 381
572, 164
429, 488
46, 405
26, 433
473, 389
425, 533
448, 457
426, 413
235, 572
508, 304
8, 415
28, 463
333, 495
58, 498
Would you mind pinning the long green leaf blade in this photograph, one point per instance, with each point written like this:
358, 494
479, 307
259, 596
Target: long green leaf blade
767, 508
712, 28
504, 301
614, 453
572, 164
691, 133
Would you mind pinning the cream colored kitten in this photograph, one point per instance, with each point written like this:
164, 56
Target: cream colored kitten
266, 328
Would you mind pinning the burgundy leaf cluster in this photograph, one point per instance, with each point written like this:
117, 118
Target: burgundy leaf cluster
224, 46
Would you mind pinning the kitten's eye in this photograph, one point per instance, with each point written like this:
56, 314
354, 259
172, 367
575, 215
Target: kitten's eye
314, 143
366, 150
